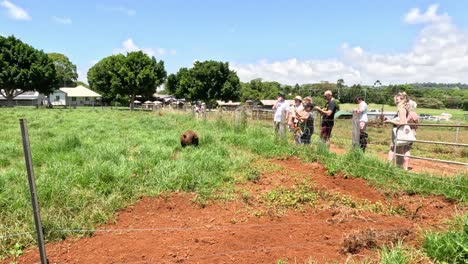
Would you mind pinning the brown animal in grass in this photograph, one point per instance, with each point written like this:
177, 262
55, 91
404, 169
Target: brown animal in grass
189, 138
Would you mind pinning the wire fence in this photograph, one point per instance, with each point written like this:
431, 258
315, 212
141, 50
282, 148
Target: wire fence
317, 156
387, 170
185, 229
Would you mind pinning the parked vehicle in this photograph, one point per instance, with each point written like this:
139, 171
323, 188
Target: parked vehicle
424, 116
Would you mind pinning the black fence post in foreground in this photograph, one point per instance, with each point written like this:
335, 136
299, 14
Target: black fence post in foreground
32, 189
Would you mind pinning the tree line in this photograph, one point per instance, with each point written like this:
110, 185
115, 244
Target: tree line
123, 77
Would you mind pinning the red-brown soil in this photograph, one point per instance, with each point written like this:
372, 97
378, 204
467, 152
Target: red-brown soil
420, 166
174, 229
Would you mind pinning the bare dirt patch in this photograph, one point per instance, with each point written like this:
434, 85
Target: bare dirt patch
174, 229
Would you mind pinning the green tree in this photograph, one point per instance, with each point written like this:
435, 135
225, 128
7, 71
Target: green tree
66, 70
433, 103
206, 81
257, 90
130, 75
78, 83
24, 68
339, 86
171, 83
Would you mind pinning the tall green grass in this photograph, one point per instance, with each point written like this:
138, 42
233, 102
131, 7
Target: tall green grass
380, 138
91, 162
394, 255
383, 174
450, 246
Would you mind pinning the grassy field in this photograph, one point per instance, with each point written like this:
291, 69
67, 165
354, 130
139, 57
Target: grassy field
91, 162
380, 137
457, 114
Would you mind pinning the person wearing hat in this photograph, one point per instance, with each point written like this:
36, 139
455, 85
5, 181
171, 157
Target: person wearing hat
307, 100
279, 106
307, 123
296, 110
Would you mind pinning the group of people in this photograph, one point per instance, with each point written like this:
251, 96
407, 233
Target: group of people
301, 118
199, 110
301, 121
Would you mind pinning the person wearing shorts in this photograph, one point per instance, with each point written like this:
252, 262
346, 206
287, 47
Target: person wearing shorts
328, 114
362, 115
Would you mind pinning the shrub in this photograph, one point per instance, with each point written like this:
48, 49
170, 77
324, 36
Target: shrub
430, 103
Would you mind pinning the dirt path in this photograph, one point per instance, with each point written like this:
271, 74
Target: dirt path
420, 166
343, 224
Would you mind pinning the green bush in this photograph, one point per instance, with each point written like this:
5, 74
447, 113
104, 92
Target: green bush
430, 103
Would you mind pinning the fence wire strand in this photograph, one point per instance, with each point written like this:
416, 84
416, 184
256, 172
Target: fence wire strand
316, 155
183, 229
430, 178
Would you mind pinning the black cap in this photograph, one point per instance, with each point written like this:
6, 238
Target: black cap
281, 95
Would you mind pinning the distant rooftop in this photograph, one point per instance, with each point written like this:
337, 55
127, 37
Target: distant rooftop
28, 95
79, 91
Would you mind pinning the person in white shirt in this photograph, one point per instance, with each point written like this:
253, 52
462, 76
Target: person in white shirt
362, 111
279, 106
296, 110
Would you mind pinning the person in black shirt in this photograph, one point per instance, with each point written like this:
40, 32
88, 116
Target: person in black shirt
328, 113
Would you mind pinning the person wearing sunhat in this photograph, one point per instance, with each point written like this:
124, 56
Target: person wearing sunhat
279, 106
296, 110
307, 124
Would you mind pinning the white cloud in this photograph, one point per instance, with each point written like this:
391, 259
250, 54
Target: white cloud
414, 16
294, 71
129, 45
83, 71
62, 20
82, 75
120, 9
15, 11
439, 54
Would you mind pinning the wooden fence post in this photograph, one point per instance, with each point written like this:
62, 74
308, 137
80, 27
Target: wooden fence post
457, 130
356, 131
283, 124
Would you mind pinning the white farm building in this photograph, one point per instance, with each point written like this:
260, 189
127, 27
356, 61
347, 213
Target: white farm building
72, 96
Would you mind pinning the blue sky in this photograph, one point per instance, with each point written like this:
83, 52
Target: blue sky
289, 41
